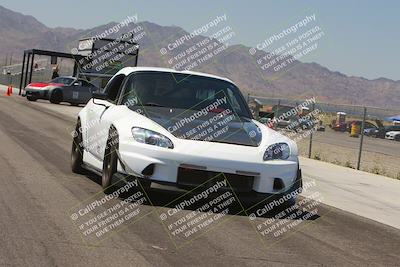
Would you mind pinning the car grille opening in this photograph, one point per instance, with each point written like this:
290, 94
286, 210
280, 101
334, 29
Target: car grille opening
192, 178
278, 184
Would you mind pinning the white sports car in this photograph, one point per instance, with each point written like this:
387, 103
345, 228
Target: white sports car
393, 135
181, 128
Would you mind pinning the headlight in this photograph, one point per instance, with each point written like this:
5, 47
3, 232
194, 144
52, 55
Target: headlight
277, 151
151, 138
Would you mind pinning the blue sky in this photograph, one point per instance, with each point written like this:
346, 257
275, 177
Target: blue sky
361, 37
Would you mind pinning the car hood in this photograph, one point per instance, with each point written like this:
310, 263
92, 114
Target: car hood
222, 127
43, 85
393, 132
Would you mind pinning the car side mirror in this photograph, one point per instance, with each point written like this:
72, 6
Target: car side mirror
99, 95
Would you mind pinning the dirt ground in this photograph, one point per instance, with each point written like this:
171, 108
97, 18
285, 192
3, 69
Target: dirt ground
379, 156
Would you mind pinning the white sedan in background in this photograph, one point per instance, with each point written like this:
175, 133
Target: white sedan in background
181, 129
393, 135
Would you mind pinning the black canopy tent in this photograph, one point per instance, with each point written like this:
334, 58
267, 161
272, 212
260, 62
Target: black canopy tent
28, 62
129, 57
104, 57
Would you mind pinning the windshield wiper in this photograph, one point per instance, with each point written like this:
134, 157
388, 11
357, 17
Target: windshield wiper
151, 104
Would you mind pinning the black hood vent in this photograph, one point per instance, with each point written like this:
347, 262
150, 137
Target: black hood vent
221, 127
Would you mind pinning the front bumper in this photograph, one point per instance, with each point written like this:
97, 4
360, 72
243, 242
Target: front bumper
188, 166
37, 93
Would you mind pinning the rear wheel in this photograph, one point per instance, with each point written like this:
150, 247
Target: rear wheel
77, 150
56, 96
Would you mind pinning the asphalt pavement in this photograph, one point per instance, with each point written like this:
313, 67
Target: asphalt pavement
38, 191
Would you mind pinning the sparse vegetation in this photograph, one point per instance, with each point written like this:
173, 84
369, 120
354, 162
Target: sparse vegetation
378, 170
317, 155
348, 164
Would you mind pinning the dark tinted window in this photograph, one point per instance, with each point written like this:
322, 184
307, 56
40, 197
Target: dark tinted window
63, 80
393, 128
368, 125
113, 87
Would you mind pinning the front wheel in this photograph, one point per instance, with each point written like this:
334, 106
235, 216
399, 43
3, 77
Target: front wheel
110, 162
56, 96
77, 150
31, 98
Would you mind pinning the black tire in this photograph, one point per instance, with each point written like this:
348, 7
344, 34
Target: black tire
31, 98
110, 162
56, 96
77, 150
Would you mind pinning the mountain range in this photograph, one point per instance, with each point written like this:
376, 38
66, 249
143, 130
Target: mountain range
19, 32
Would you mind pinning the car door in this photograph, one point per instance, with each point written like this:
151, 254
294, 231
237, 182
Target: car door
68, 91
80, 91
85, 90
98, 127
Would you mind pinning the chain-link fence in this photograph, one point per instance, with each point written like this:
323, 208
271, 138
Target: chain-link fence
364, 138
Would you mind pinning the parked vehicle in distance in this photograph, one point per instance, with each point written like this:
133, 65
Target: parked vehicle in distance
279, 112
181, 128
286, 118
305, 122
268, 122
339, 126
368, 126
339, 123
62, 89
381, 132
320, 126
370, 131
393, 135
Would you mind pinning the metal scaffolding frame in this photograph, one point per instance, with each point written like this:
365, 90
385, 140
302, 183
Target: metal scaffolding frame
29, 56
28, 62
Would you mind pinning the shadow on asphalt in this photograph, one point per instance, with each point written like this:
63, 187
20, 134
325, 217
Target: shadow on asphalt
43, 101
244, 206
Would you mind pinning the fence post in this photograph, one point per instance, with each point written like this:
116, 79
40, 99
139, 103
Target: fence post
361, 139
22, 72
311, 135
278, 107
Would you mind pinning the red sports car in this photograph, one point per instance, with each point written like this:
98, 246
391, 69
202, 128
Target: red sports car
61, 89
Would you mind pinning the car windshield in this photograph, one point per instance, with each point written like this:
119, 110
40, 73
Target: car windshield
183, 91
392, 128
63, 80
